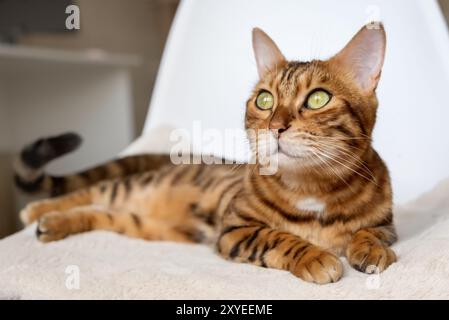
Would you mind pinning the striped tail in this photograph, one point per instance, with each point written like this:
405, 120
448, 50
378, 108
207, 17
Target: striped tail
29, 166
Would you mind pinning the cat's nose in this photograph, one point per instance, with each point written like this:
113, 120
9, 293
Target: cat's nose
281, 120
285, 128
279, 130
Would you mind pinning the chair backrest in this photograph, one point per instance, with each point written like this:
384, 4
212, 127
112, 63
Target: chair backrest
208, 70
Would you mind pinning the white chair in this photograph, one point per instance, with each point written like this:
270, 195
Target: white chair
208, 70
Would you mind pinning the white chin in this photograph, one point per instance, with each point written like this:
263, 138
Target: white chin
298, 161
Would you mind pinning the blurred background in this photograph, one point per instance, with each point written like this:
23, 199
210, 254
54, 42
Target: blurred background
96, 80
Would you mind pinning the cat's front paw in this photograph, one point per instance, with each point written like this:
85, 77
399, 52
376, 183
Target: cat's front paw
34, 210
52, 226
28, 214
319, 266
369, 257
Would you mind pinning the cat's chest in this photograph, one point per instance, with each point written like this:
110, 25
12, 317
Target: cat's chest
328, 237
311, 204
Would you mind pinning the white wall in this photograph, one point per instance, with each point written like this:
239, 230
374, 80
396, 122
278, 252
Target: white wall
95, 103
135, 27
4, 123
6, 203
47, 92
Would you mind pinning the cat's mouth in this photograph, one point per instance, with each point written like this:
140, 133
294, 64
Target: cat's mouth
285, 152
293, 149
288, 148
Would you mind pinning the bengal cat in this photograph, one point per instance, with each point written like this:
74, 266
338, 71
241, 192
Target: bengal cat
330, 197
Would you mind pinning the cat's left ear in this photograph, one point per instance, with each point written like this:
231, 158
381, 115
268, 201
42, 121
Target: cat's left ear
268, 55
363, 56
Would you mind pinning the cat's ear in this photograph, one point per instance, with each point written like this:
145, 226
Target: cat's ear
268, 55
363, 56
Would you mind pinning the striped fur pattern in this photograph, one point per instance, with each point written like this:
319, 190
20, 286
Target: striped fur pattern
330, 197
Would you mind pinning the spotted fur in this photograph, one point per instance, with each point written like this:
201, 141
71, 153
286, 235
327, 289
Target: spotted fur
333, 199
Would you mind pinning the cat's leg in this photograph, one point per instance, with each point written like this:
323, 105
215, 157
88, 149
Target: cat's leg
58, 225
106, 193
264, 246
368, 250
34, 210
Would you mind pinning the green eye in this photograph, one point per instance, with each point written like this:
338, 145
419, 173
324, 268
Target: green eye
318, 99
265, 100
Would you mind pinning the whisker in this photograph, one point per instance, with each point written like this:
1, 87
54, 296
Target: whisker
349, 154
344, 138
335, 141
320, 165
332, 169
341, 150
344, 165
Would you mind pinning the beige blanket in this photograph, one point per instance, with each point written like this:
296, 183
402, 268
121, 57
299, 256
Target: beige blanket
103, 265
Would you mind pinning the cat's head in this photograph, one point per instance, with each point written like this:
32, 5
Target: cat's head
320, 112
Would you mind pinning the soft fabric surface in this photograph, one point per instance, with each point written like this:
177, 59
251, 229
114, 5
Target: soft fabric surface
115, 267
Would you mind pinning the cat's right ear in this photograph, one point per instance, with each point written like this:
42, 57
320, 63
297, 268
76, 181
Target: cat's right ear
268, 55
363, 56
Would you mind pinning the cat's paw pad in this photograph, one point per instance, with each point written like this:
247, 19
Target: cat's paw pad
52, 226
370, 257
319, 266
